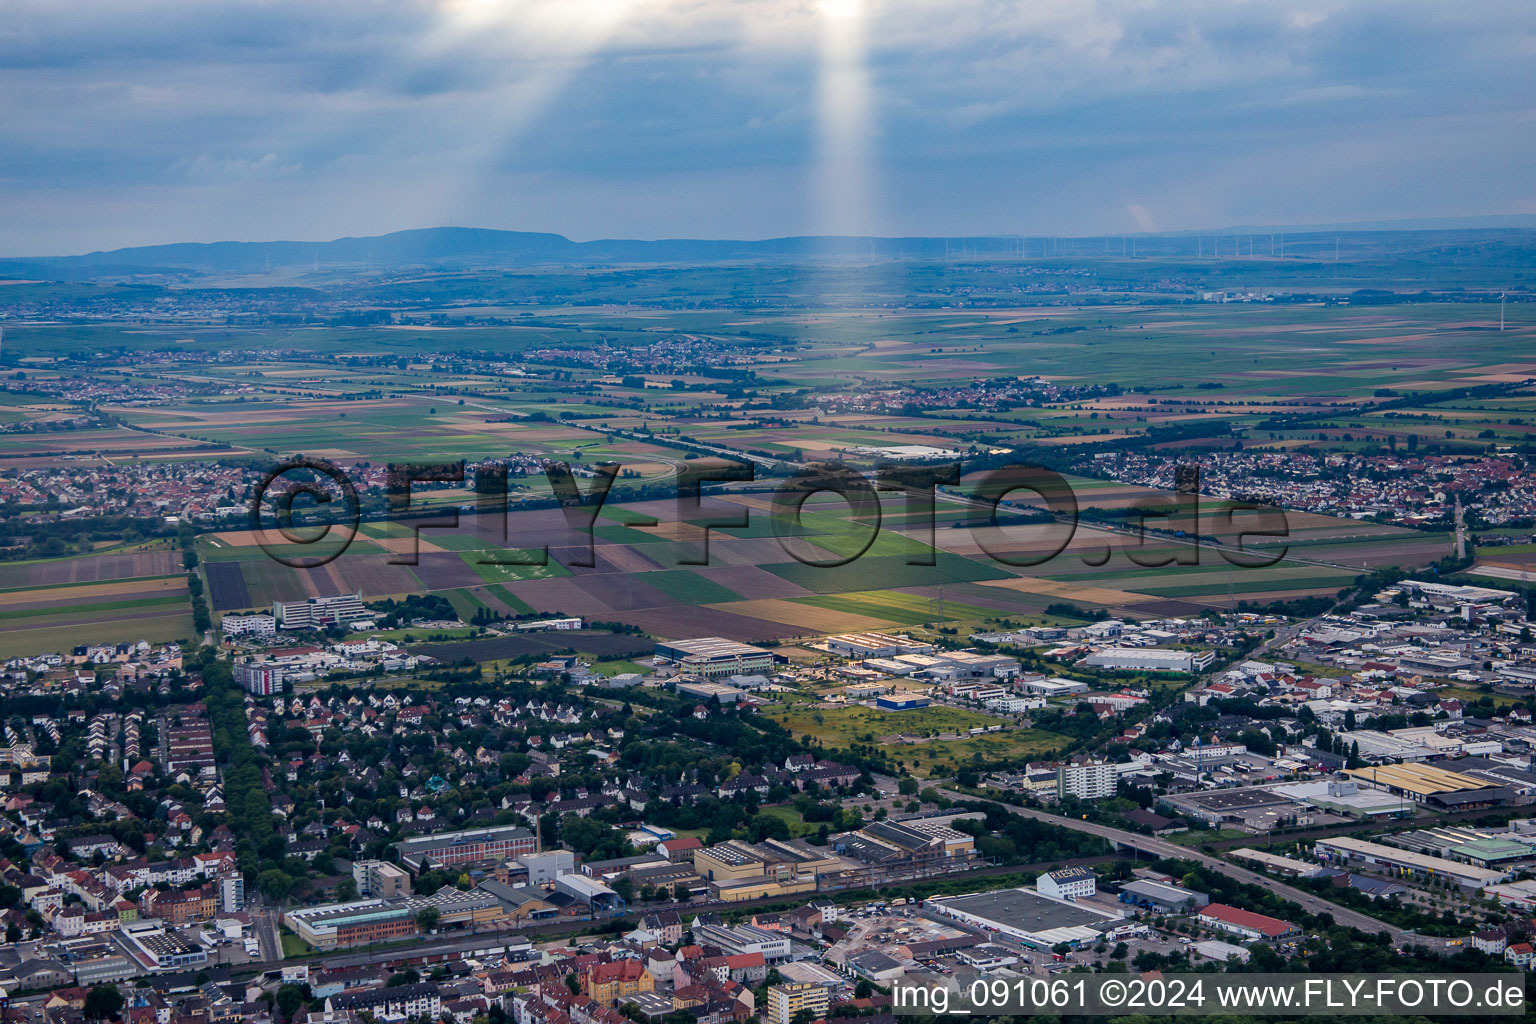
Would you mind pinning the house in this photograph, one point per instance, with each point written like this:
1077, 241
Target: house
612, 983
1493, 941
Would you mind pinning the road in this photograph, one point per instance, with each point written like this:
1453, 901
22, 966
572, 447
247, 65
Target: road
1163, 848
264, 924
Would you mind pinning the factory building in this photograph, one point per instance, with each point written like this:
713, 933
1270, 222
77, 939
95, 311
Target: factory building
713, 656
1150, 659
1407, 863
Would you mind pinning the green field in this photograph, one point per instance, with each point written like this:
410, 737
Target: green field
836, 727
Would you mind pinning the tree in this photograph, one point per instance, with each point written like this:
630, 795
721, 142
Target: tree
907, 786
289, 998
274, 884
427, 918
863, 990
103, 1002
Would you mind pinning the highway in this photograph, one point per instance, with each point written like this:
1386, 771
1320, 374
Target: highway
1163, 848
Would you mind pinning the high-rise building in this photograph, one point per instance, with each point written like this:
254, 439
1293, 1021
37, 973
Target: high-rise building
786, 1001
259, 680
1086, 780
232, 893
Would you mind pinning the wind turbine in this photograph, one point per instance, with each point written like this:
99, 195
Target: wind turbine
1501, 309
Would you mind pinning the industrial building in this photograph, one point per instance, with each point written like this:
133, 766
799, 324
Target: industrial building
1029, 918
944, 666
708, 692
1258, 810
1345, 850
160, 950
1480, 847
1150, 659
1344, 796
596, 896
901, 702
914, 842
465, 847
545, 625
1050, 687
1434, 786
346, 925
1162, 896
544, 868
746, 938
1246, 923
712, 656
730, 861
1288, 867
875, 645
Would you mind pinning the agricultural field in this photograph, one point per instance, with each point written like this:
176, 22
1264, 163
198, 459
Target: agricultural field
753, 587
104, 608
785, 387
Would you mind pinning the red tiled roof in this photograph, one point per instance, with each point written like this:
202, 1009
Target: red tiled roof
1247, 919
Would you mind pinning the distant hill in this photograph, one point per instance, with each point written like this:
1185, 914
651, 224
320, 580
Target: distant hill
473, 247
469, 248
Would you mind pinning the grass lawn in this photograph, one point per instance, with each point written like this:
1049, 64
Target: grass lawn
798, 826
418, 635
293, 946
618, 667
841, 727
1468, 694
1194, 837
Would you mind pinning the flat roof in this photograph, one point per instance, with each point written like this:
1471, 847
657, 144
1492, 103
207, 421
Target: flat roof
1027, 911
1160, 890
711, 647
727, 853
439, 840
1420, 861
1230, 799
1496, 849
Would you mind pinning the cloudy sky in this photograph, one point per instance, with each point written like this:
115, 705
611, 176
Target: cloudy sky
126, 122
